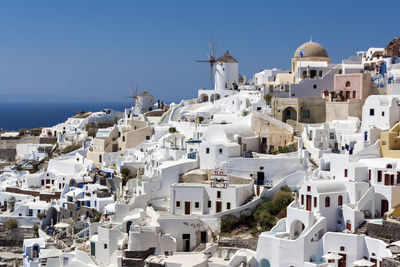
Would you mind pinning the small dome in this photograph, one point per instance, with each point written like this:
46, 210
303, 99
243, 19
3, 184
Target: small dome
310, 49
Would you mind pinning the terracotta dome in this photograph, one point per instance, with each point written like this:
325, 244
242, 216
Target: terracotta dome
311, 49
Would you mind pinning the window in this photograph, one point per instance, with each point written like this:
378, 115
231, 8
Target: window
264, 141
315, 202
379, 176
308, 188
369, 174
314, 86
302, 199
178, 204
218, 194
383, 113
306, 114
196, 205
342, 248
228, 205
354, 94
105, 246
345, 172
320, 73
30, 212
348, 84
220, 151
147, 137
261, 168
327, 202
340, 200
371, 112
207, 150
123, 138
209, 203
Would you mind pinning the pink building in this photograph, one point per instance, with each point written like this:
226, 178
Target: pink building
349, 86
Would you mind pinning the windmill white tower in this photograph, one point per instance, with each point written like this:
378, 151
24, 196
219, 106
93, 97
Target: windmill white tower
141, 103
226, 73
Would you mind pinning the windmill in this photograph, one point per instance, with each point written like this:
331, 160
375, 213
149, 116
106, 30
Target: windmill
134, 98
211, 59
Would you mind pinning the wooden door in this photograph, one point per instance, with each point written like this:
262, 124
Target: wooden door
384, 206
374, 261
342, 261
308, 202
218, 206
387, 179
187, 207
348, 226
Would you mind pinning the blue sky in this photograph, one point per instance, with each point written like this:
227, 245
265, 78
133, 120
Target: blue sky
70, 50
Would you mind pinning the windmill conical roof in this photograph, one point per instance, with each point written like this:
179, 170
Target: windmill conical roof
227, 58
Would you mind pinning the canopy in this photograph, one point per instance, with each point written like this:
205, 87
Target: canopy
62, 225
364, 263
332, 256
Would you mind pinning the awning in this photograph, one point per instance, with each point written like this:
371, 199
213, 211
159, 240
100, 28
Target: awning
364, 263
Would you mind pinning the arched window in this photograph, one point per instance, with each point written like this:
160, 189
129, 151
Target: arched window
327, 202
348, 84
389, 166
340, 200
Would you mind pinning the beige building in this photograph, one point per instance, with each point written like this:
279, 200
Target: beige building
390, 142
304, 110
117, 138
272, 132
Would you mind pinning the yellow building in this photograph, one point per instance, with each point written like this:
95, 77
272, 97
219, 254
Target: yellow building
390, 142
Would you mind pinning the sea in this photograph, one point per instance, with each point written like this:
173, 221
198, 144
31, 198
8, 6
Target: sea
14, 116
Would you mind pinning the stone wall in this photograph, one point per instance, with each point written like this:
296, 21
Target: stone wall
8, 154
386, 230
390, 262
239, 243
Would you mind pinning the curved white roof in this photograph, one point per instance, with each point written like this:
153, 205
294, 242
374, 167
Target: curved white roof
329, 186
227, 132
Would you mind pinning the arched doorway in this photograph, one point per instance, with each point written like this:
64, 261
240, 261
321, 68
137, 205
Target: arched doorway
289, 113
128, 226
203, 98
52, 215
265, 263
381, 205
296, 228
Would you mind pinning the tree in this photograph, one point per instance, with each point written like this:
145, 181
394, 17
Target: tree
36, 230
172, 130
11, 203
267, 98
11, 223
125, 172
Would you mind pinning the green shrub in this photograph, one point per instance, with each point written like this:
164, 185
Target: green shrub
172, 130
36, 230
11, 203
11, 223
41, 215
125, 172
228, 223
70, 148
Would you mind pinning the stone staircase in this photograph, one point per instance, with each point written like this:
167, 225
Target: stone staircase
362, 229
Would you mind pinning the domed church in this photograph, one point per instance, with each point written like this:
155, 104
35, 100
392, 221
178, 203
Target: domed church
310, 51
